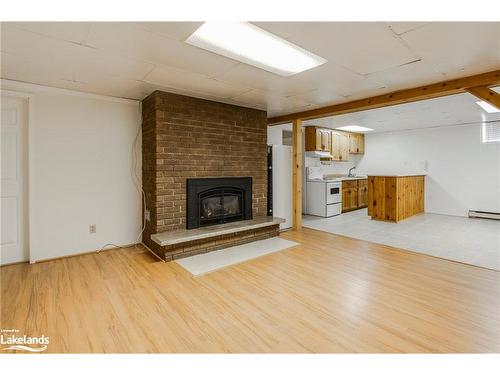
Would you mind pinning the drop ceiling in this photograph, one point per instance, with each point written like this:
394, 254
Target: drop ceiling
131, 60
459, 109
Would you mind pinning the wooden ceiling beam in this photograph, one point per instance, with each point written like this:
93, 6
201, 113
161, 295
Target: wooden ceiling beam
486, 94
444, 88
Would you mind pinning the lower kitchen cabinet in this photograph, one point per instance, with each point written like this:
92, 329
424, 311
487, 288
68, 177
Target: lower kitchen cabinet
362, 193
354, 194
349, 199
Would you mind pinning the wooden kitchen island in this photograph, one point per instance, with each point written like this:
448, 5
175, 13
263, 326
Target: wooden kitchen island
395, 197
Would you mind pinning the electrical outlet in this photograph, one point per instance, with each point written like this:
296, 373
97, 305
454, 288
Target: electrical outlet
147, 215
92, 228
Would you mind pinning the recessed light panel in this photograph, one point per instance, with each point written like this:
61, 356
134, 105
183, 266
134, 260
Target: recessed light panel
487, 107
252, 45
355, 128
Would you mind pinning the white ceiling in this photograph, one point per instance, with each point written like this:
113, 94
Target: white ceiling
131, 60
446, 111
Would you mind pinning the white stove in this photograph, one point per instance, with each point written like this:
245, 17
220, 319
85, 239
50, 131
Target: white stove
323, 197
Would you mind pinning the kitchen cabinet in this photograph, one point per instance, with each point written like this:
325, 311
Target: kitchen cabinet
354, 194
339, 146
356, 143
395, 197
317, 139
344, 146
349, 199
326, 142
362, 193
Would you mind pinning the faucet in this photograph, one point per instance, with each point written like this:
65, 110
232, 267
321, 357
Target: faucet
350, 174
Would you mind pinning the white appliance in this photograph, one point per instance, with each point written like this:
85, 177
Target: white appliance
282, 184
323, 197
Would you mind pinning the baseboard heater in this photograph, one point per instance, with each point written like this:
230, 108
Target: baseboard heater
484, 214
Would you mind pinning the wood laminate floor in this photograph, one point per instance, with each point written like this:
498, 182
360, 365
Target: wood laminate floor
330, 294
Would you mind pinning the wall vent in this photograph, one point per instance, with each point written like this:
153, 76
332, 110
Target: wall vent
484, 214
491, 131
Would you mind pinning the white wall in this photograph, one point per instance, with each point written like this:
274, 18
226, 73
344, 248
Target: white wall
275, 133
336, 167
463, 173
80, 171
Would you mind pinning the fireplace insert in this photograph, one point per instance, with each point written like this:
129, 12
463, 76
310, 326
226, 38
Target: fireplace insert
218, 200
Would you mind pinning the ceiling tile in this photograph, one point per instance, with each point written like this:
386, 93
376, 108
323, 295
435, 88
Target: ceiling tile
75, 32
330, 78
175, 30
174, 78
457, 48
254, 98
407, 76
105, 85
101, 85
23, 69
363, 47
279, 105
45, 50
146, 46
284, 30
322, 96
403, 27
337, 79
141, 89
249, 76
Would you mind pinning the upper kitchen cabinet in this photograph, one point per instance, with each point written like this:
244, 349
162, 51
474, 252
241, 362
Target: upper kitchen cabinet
340, 146
317, 139
356, 143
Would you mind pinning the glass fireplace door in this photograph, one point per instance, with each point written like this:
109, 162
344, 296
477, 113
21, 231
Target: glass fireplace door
219, 206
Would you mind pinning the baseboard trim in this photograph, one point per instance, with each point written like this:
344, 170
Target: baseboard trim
14, 263
83, 253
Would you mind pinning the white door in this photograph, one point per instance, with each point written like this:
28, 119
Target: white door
14, 205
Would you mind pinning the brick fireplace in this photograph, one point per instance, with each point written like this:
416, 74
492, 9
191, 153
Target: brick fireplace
189, 138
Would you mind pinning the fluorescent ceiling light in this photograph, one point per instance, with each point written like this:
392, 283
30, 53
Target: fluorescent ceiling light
354, 128
252, 45
487, 107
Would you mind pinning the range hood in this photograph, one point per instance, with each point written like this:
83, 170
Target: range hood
318, 154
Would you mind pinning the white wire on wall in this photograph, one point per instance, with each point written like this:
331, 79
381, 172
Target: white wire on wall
137, 182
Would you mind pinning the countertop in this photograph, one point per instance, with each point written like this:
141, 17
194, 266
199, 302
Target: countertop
337, 179
398, 175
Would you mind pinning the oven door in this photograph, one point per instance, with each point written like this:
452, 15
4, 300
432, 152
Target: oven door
333, 192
